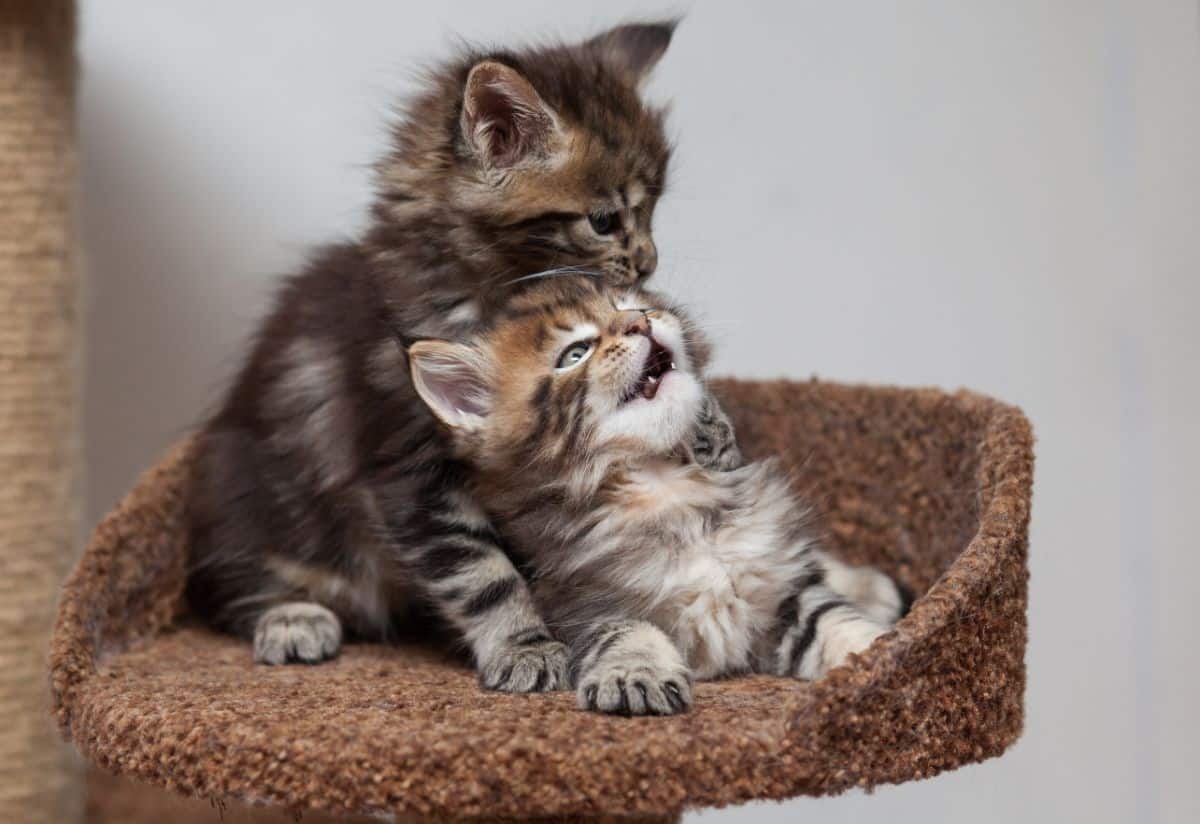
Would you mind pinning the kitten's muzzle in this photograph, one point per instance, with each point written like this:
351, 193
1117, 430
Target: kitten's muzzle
645, 258
659, 361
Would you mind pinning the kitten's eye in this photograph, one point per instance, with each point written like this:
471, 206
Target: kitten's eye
603, 223
574, 354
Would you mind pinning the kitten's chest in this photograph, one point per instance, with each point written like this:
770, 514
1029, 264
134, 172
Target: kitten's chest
718, 573
719, 602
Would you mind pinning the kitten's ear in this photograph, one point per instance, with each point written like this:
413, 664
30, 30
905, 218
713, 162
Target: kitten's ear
452, 379
635, 48
504, 118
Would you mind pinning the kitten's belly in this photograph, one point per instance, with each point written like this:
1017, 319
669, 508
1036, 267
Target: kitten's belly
719, 613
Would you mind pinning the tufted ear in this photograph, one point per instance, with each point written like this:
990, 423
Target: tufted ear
504, 118
452, 380
635, 48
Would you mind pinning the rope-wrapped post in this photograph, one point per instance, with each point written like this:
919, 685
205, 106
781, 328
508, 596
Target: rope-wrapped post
38, 431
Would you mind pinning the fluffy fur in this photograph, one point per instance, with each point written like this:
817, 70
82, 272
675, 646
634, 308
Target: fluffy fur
324, 497
576, 414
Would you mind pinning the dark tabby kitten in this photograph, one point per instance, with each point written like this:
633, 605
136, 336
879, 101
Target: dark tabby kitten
573, 413
324, 497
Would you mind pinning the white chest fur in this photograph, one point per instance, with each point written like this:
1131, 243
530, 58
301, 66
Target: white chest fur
720, 558
721, 598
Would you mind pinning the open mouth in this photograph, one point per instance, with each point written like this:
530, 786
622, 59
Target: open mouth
658, 363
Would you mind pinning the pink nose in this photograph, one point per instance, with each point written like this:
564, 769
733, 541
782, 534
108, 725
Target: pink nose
633, 322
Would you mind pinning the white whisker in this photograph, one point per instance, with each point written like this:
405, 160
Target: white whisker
562, 271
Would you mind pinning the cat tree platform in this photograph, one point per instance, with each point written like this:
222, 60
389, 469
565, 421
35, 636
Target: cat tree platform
932, 487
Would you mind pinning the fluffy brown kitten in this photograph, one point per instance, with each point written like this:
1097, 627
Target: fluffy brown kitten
324, 497
575, 413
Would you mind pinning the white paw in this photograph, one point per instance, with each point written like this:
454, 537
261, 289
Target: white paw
301, 631
636, 685
539, 667
836, 642
875, 594
882, 600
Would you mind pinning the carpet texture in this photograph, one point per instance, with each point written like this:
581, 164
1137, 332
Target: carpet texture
932, 487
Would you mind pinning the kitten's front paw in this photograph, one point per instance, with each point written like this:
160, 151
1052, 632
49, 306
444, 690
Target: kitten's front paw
301, 631
537, 667
714, 444
633, 687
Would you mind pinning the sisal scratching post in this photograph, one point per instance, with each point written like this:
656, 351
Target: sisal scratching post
38, 435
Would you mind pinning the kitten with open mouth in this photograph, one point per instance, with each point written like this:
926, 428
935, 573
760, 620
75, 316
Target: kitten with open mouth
659, 361
655, 569
325, 503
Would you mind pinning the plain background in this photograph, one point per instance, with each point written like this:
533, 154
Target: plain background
1004, 196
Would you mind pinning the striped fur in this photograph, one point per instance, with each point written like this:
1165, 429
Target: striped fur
656, 569
326, 500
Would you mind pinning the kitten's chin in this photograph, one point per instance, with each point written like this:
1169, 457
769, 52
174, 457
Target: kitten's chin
659, 424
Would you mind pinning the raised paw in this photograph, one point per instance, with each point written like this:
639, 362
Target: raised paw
714, 444
301, 632
539, 666
631, 687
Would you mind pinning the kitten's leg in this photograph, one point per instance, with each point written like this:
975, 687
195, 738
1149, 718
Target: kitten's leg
298, 631
714, 444
823, 629
630, 667
873, 592
475, 587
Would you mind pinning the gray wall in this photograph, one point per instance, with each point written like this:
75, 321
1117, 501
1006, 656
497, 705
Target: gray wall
1003, 196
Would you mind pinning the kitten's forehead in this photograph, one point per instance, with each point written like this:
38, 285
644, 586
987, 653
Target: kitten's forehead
615, 145
559, 301
585, 173
603, 104
611, 140
557, 307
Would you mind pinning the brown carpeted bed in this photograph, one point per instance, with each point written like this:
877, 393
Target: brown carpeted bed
933, 487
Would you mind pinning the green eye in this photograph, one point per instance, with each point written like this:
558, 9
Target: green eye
603, 223
574, 354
